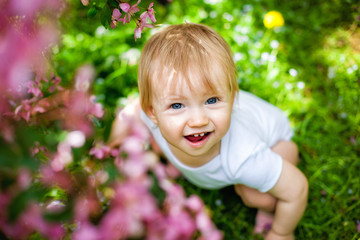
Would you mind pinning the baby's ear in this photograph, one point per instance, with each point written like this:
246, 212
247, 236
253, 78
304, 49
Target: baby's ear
151, 115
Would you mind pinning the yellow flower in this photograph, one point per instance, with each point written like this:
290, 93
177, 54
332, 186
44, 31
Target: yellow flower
273, 19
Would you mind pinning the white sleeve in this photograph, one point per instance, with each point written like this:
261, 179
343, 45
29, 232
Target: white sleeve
260, 171
266, 120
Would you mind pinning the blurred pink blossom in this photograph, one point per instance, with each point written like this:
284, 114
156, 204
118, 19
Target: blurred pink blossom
134, 168
95, 108
172, 171
61, 179
194, 203
100, 150
84, 77
86, 205
29, 107
24, 178
62, 158
206, 227
38, 148
133, 146
149, 13
86, 230
140, 25
34, 89
175, 226
129, 10
115, 17
32, 219
75, 139
85, 2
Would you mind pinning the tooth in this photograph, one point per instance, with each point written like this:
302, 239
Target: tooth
202, 134
196, 135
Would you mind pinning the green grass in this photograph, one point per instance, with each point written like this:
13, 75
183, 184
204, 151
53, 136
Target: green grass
320, 41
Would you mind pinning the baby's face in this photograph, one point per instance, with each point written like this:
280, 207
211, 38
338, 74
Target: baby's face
192, 122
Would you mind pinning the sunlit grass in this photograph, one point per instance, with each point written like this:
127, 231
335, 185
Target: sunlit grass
309, 68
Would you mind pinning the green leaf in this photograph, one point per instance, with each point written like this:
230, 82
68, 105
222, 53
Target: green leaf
101, 3
105, 16
112, 171
63, 216
92, 12
114, 3
20, 202
156, 190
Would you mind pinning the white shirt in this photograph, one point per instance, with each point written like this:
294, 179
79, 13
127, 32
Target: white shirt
245, 155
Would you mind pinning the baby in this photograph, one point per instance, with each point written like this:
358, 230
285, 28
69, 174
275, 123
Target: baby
214, 133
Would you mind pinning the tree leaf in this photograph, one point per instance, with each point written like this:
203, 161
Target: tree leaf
92, 12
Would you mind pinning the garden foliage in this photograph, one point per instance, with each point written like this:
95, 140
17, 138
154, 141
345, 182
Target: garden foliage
58, 179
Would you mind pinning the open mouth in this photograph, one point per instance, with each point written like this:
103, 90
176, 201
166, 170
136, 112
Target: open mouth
197, 137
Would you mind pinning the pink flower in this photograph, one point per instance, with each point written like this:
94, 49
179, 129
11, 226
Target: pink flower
86, 206
115, 224
33, 219
97, 110
115, 18
75, 139
194, 203
134, 168
181, 226
55, 81
86, 231
172, 171
27, 108
207, 228
85, 2
100, 150
37, 148
24, 178
34, 89
133, 146
130, 10
137, 33
84, 77
149, 13
61, 179
140, 25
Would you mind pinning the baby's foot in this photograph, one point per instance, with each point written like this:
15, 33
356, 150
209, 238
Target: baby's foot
263, 221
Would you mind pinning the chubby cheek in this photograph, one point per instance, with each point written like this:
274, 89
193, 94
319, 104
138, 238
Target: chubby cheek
171, 125
222, 122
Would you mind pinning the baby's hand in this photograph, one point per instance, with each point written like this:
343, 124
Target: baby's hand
121, 126
274, 236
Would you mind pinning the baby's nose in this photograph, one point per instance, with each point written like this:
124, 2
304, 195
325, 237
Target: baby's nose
198, 118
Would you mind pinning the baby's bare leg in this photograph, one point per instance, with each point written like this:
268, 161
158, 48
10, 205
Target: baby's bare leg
264, 201
287, 150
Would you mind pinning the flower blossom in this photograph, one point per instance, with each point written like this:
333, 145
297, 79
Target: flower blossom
273, 19
149, 13
84, 77
100, 151
140, 25
85, 2
30, 107
129, 10
34, 89
115, 17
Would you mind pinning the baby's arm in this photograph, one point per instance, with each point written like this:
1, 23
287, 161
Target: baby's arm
121, 125
291, 190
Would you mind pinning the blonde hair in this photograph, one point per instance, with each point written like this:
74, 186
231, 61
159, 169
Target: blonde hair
185, 50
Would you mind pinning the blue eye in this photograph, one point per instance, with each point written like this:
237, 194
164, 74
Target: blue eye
176, 106
212, 100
